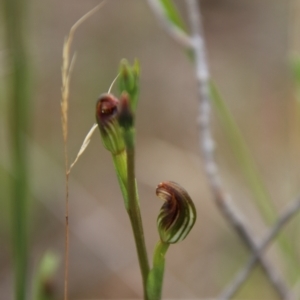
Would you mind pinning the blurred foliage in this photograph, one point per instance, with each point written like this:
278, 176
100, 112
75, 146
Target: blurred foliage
172, 14
19, 94
244, 158
43, 286
241, 58
295, 66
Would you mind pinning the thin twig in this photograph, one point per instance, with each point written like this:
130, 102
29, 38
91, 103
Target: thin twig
286, 216
175, 32
222, 199
67, 67
112, 84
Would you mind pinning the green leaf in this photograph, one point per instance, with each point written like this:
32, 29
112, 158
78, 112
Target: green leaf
173, 14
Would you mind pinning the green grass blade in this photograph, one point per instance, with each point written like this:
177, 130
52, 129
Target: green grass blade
244, 158
173, 14
295, 66
247, 164
14, 12
241, 152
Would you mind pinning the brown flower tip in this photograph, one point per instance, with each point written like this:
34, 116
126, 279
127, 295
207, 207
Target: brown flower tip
106, 108
107, 112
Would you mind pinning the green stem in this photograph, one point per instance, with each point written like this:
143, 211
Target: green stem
134, 209
156, 275
120, 163
14, 13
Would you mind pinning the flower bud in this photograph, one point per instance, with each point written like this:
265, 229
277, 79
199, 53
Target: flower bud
129, 81
126, 122
126, 118
177, 215
107, 109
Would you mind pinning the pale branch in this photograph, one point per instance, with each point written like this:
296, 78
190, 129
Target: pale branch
222, 199
292, 209
174, 31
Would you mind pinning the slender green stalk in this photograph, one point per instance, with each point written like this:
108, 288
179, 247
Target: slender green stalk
114, 141
156, 275
120, 163
115, 119
134, 209
14, 13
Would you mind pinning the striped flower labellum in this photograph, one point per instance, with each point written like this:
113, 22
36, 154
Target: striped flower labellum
177, 215
107, 110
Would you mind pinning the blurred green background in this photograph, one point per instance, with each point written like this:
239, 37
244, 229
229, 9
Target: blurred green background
249, 45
